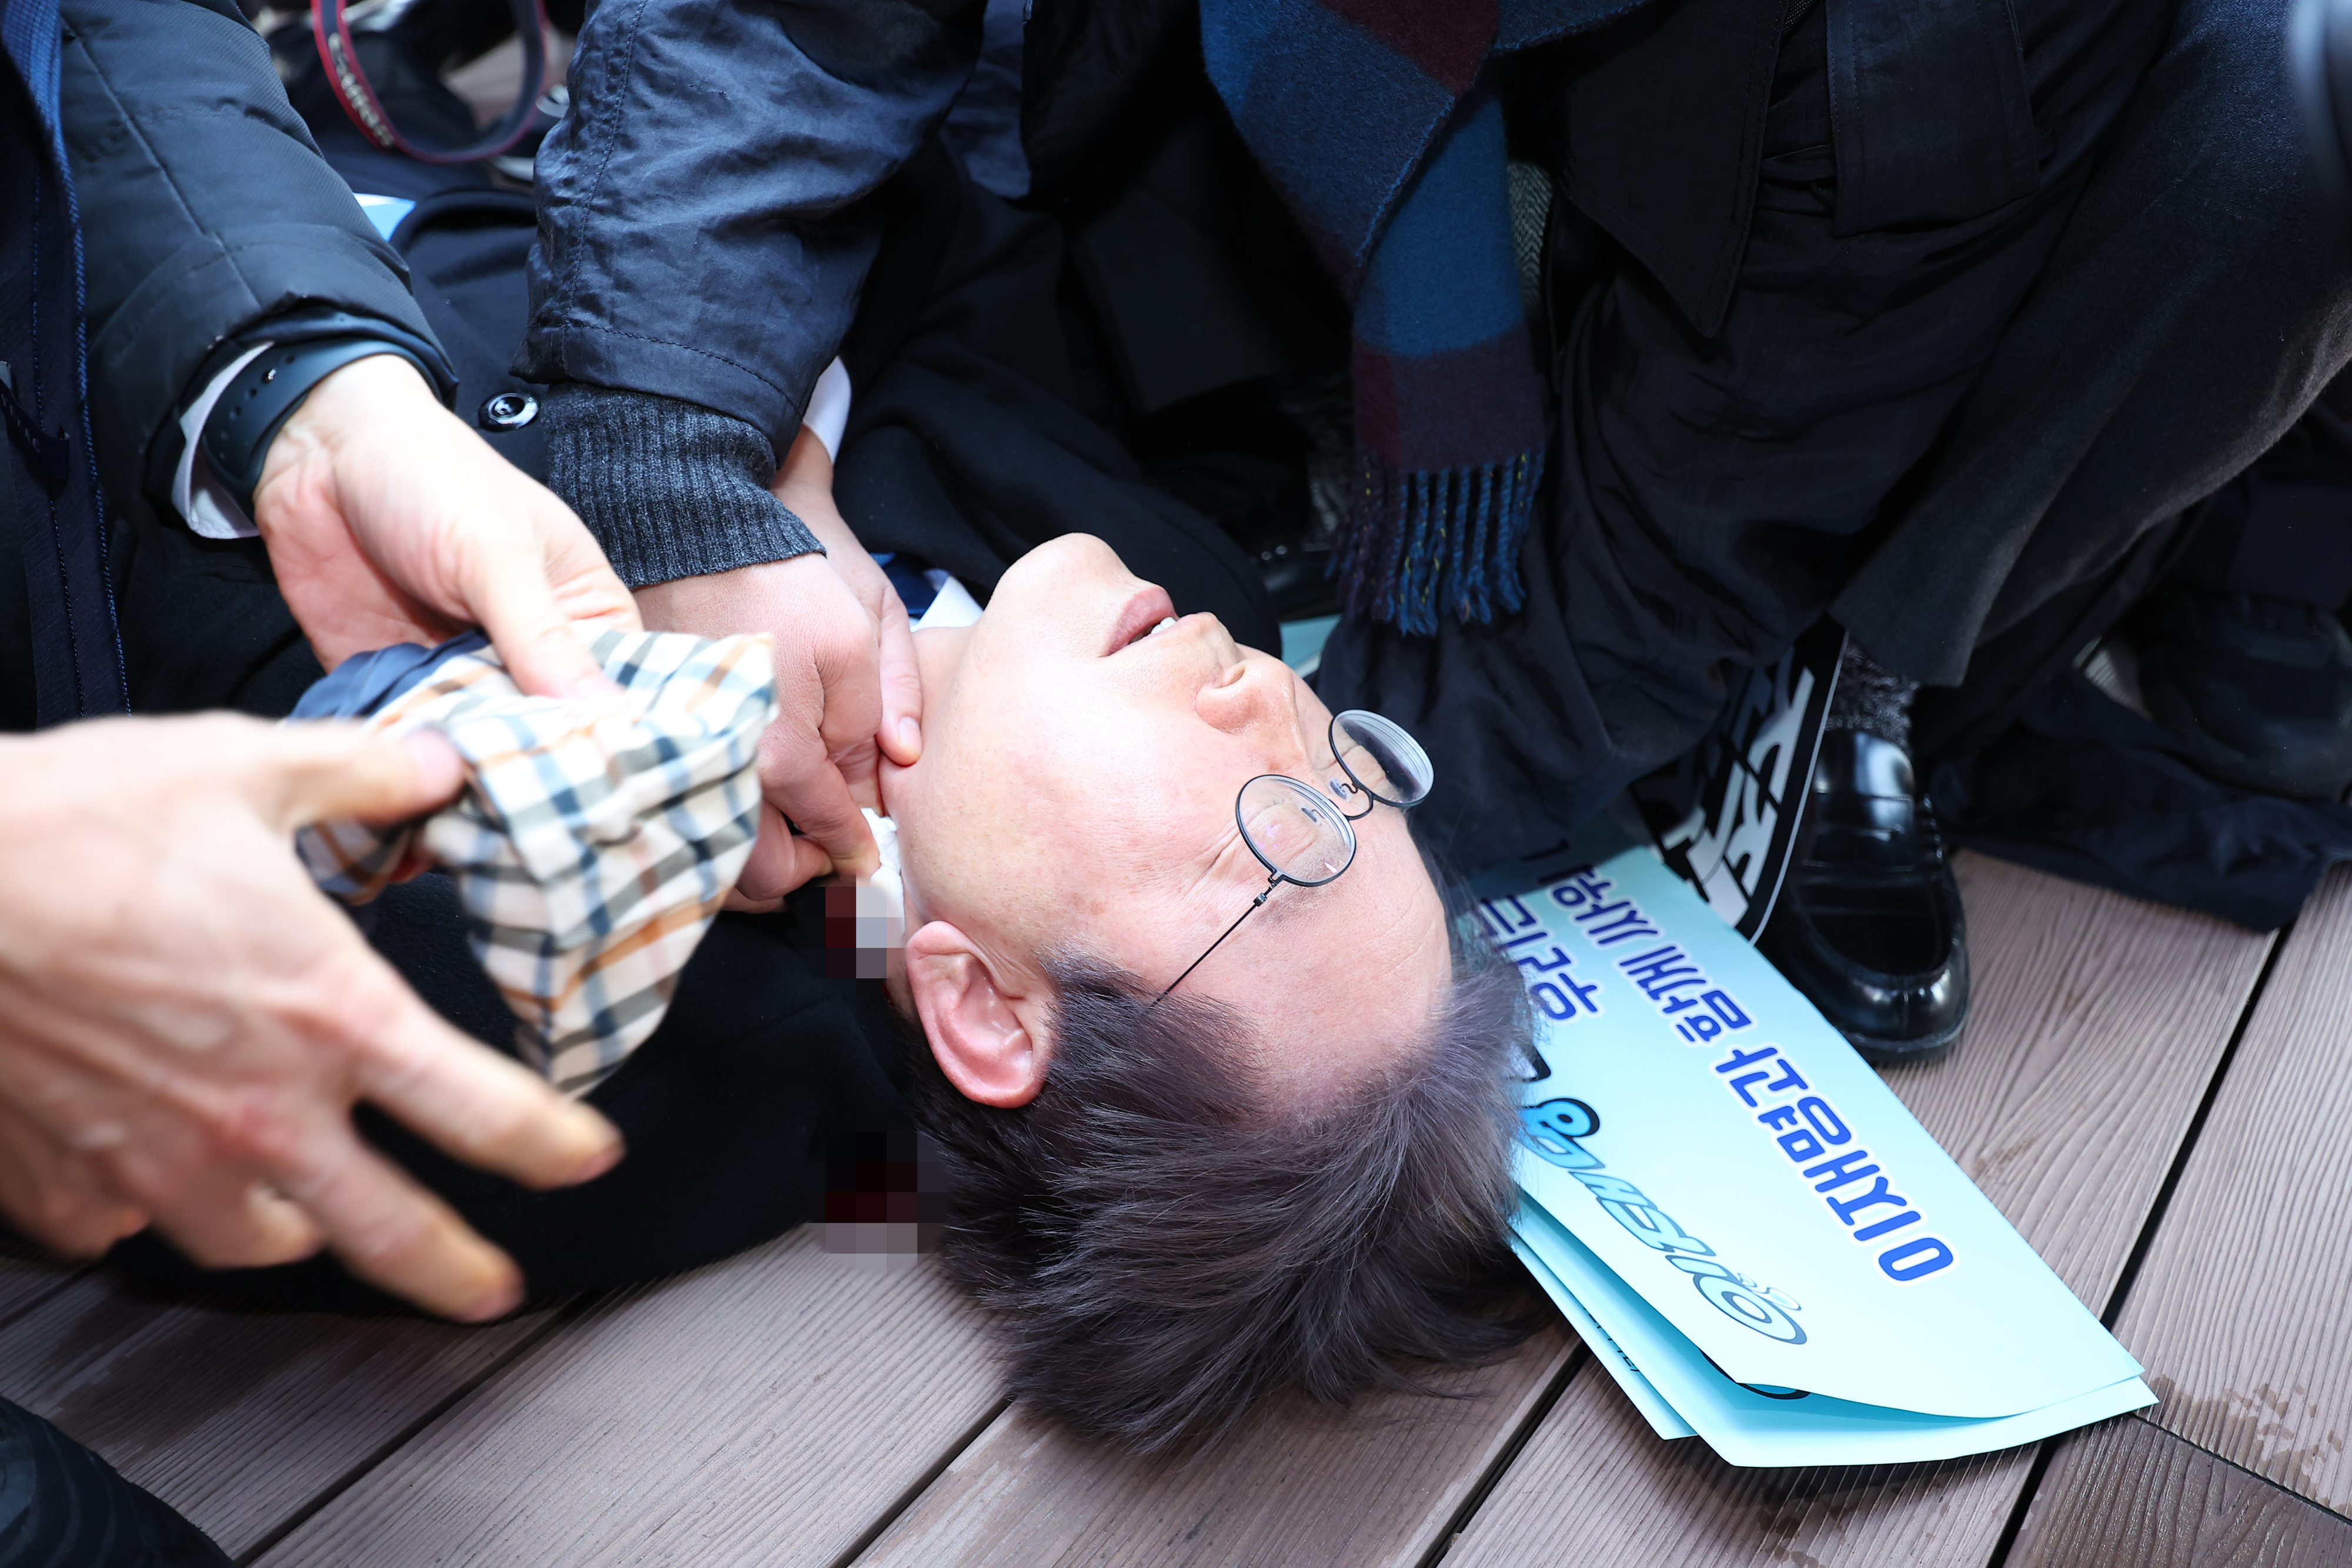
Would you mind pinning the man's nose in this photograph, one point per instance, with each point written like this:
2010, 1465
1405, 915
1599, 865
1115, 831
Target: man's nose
1257, 700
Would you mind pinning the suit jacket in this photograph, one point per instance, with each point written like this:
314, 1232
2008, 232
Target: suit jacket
62, 593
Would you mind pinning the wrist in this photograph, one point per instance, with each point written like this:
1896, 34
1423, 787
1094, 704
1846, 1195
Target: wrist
379, 386
761, 597
243, 433
807, 467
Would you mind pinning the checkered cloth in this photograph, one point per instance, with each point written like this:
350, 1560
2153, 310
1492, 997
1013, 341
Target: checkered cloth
590, 851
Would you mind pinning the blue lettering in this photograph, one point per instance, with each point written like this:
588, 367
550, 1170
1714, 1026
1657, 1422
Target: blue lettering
1552, 1129
1915, 1259
1822, 1120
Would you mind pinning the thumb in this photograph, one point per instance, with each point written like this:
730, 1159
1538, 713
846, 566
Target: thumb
535, 639
901, 736
315, 771
510, 590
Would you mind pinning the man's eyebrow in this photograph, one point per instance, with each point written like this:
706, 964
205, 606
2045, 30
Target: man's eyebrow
1214, 869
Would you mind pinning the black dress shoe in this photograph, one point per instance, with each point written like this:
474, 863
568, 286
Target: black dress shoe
2258, 691
1868, 924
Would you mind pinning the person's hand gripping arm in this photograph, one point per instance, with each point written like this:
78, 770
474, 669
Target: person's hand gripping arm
388, 520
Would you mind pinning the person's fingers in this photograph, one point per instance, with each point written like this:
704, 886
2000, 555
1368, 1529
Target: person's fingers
508, 591
483, 1108
901, 734
810, 861
853, 716
805, 785
766, 876
229, 1218
304, 773
202, 1190
590, 591
396, 1236
780, 862
736, 904
56, 1197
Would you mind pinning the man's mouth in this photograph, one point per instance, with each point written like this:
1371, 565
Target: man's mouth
1147, 615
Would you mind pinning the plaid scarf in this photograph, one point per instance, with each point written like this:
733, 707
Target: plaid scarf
1379, 125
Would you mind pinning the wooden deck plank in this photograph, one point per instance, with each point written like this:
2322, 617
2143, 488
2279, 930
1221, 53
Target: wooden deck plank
1297, 1486
2132, 1495
2238, 1309
767, 1410
26, 1274
237, 1418
1596, 1488
2099, 1022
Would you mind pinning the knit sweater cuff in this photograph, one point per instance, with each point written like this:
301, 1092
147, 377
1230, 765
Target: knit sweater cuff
670, 489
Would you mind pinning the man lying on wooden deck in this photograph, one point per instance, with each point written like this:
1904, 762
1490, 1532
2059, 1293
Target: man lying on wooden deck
1173, 1210
1225, 1093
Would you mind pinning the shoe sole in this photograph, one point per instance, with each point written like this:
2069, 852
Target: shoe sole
1903, 1053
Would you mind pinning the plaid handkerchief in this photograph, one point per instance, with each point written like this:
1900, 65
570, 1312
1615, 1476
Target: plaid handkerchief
590, 852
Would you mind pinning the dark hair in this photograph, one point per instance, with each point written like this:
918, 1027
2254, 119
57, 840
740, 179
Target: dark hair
1162, 1244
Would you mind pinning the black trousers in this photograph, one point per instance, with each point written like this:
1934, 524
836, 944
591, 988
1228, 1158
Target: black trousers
1931, 430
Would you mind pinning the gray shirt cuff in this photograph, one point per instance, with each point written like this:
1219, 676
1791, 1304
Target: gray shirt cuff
670, 489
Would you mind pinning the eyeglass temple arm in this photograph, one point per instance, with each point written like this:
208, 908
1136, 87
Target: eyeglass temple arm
1271, 884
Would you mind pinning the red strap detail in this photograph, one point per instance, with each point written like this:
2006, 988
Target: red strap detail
330, 30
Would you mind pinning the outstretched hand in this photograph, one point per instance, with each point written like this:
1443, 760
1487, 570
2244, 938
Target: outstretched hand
388, 520
846, 680
185, 1021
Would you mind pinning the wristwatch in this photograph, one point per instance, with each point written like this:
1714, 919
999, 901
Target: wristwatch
267, 392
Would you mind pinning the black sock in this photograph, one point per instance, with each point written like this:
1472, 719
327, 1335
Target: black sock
1873, 700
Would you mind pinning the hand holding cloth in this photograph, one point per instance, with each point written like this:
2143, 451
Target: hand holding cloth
593, 840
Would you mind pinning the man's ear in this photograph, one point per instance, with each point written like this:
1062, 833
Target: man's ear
987, 1035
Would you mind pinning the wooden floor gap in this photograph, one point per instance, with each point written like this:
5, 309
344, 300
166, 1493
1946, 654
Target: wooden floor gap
567, 1313
2025, 1496
1507, 1455
2269, 1481
2196, 1128
906, 1500
2224, 1458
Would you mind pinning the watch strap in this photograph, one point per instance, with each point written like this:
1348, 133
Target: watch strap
267, 392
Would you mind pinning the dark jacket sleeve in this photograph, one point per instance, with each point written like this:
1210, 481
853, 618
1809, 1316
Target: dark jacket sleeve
703, 235
700, 236
206, 211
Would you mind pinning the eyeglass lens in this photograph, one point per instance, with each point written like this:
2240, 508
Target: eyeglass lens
1293, 830
1387, 763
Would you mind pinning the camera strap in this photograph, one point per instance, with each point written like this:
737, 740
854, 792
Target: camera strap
331, 29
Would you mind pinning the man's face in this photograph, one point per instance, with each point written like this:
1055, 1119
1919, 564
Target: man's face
1075, 794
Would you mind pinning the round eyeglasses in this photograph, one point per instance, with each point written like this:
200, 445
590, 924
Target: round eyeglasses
1304, 836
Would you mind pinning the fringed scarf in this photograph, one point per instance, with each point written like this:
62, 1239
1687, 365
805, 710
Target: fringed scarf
1377, 122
